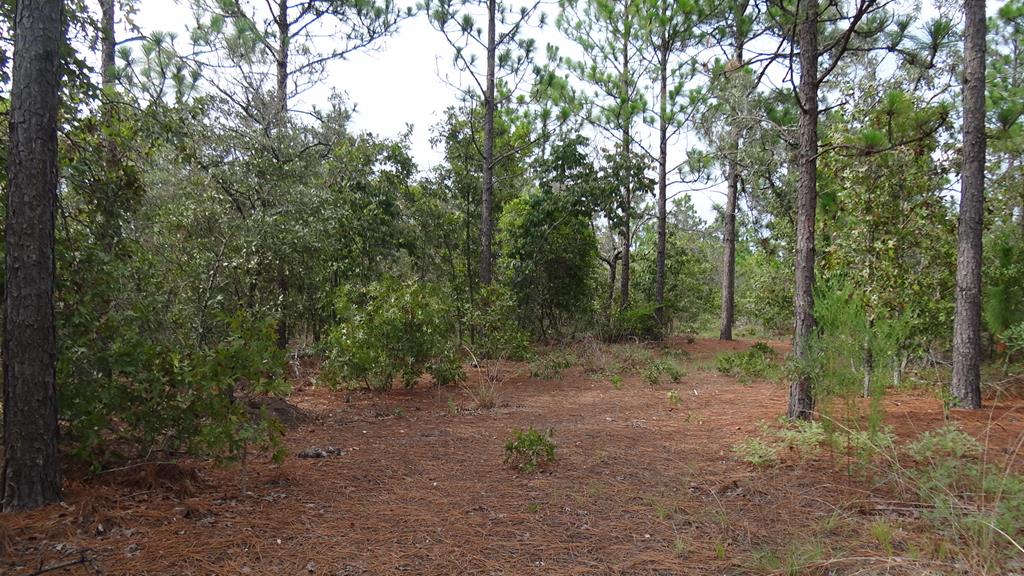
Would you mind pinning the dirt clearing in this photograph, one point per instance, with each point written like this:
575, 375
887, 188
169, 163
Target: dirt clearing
412, 482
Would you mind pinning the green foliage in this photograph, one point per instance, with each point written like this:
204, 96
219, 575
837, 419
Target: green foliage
652, 373
855, 354
887, 230
972, 501
759, 361
804, 435
392, 329
637, 322
491, 328
674, 398
764, 298
550, 366
1003, 298
528, 450
691, 280
150, 397
757, 452
548, 255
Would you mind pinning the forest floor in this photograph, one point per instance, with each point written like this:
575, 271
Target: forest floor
415, 484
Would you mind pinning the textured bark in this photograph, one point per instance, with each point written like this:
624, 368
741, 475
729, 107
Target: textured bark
801, 401
281, 58
613, 266
659, 277
487, 199
729, 252
966, 384
281, 96
31, 475
627, 147
108, 44
732, 188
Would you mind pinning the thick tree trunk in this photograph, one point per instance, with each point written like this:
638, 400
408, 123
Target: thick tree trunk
487, 201
966, 384
801, 402
31, 475
659, 278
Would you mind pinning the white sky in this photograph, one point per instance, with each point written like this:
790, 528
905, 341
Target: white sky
408, 80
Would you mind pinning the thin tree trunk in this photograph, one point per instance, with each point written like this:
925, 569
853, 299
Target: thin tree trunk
732, 189
487, 202
31, 474
729, 252
109, 231
281, 119
966, 384
801, 402
659, 279
281, 60
613, 265
108, 44
627, 146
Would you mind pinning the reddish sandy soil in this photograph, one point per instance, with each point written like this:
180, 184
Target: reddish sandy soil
639, 487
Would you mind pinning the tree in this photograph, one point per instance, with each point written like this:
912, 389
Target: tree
506, 58
31, 475
865, 21
671, 27
282, 42
610, 33
739, 22
966, 383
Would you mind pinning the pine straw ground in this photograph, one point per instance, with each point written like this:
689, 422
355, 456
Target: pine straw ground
639, 487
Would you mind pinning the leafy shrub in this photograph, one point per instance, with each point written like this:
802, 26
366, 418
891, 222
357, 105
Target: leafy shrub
635, 322
651, 375
491, 328
392, 329
765, 297
550, 274
653, 372
759, 361
530, 449
154, 398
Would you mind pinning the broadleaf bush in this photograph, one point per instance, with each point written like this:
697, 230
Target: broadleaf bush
392, 329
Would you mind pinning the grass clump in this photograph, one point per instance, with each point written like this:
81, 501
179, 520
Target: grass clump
551, 366
974, 504
674, 398
660, 370
528, 450
757, 452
